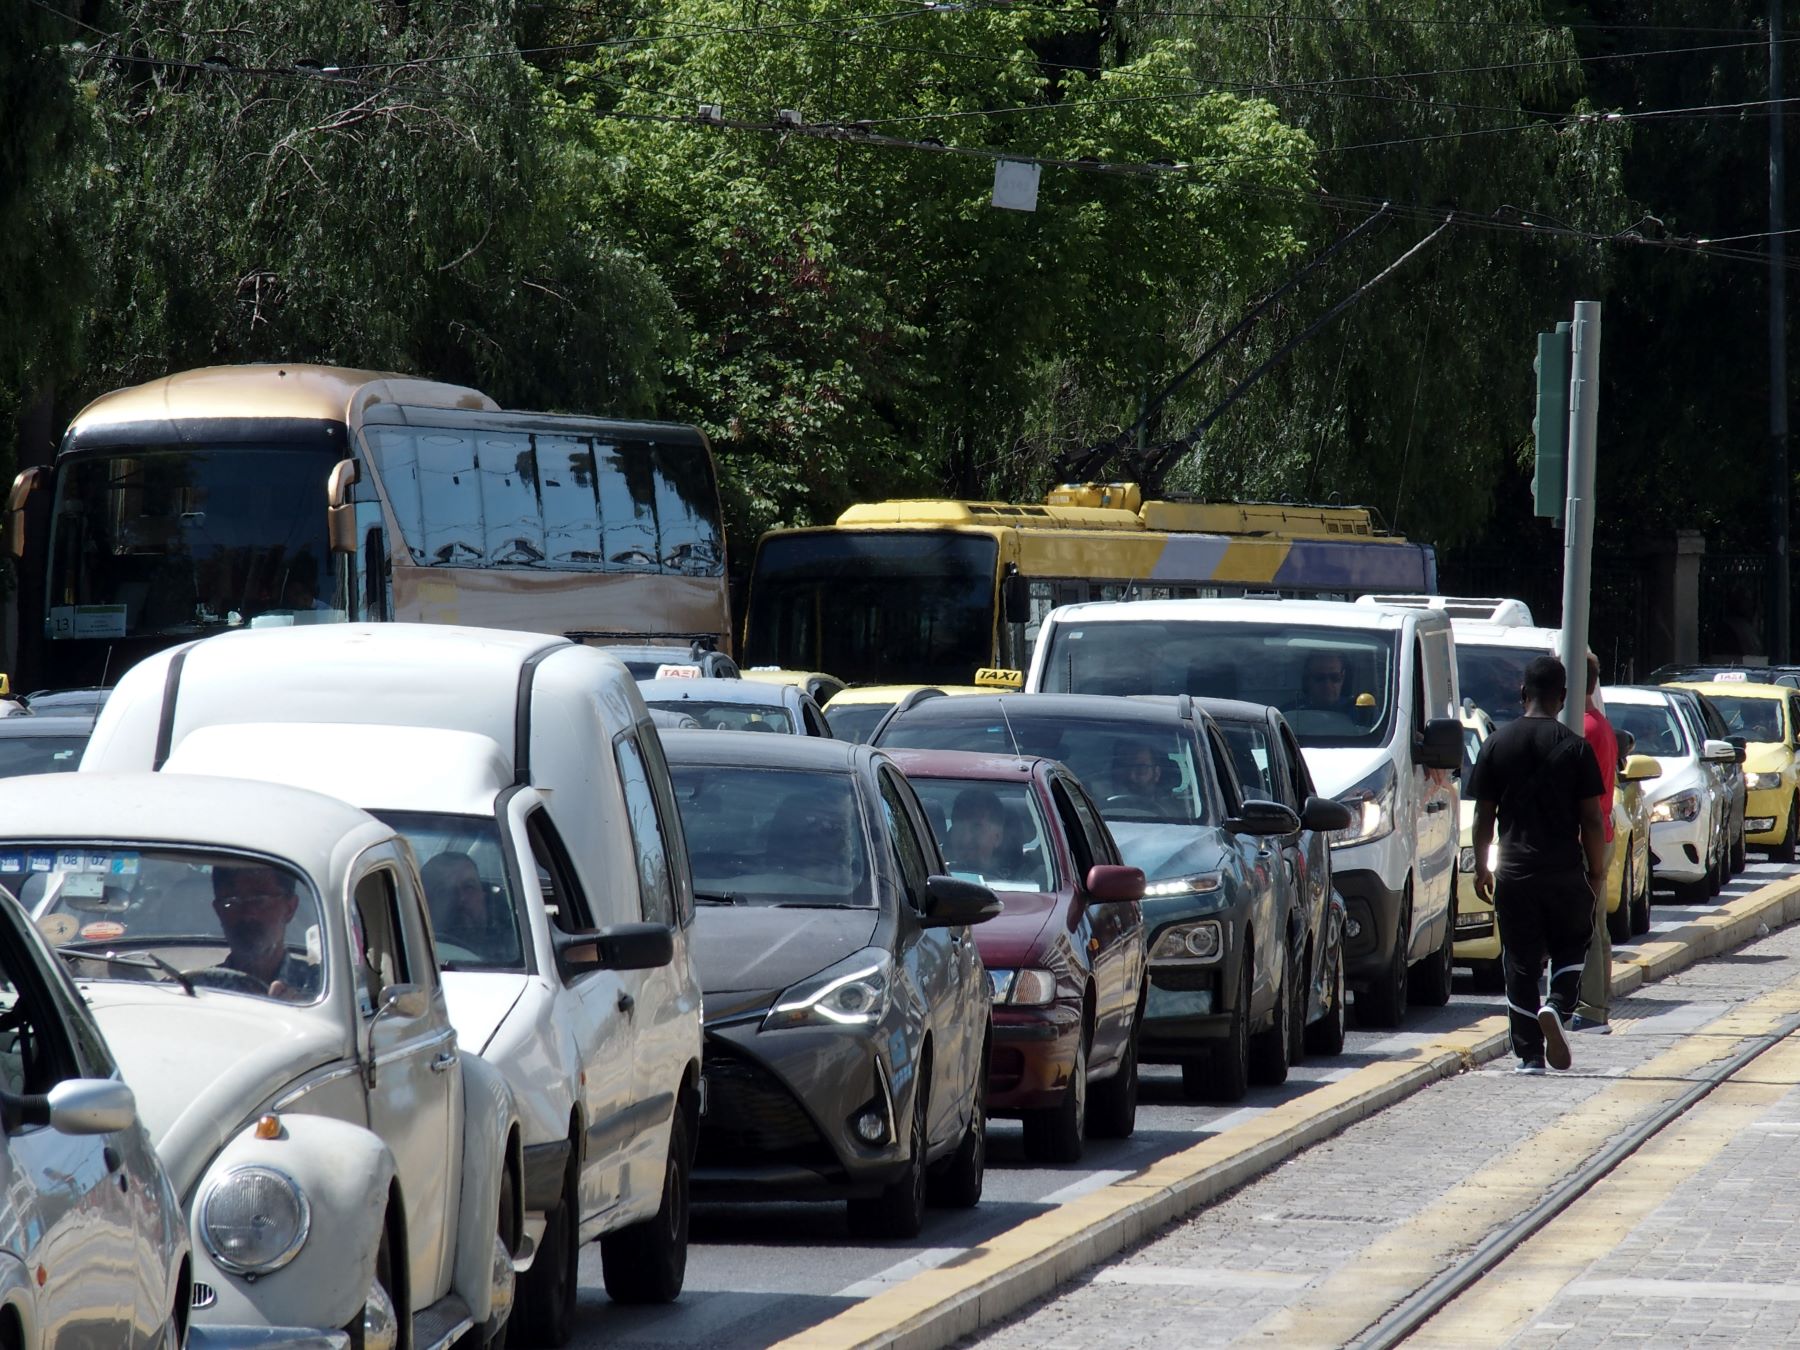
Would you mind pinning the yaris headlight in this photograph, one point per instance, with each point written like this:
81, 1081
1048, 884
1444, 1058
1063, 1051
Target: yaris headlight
1371, 804
852, 993
254, 1220
1762, 782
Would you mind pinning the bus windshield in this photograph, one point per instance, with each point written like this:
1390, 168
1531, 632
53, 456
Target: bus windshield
168, 540
1335, 685
864, 604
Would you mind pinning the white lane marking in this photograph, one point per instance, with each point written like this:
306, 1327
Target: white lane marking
1718, 1289
929, 1259
1219, 1124
1188, 1278
1076, 1189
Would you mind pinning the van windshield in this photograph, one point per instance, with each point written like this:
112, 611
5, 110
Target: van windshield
1491, 676
1335, 685
474, 914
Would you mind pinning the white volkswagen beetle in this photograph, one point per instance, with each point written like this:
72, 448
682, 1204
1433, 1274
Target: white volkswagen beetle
261, 962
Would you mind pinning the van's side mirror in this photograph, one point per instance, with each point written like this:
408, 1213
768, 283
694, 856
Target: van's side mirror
623, 946
28, 482
1015, 598
1441, 745
1323, 815
1263, 818
340, 512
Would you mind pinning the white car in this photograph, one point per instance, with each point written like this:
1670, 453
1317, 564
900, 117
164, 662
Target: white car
1688, 812
91, 1234
261, 963
533, 790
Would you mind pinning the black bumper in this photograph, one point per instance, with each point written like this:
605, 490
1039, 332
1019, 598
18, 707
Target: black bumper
1373, 912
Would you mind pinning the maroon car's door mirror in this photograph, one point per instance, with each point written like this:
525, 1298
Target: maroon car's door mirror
1106, 881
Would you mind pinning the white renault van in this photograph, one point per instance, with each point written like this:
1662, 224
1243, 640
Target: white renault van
1370, 691
525, 773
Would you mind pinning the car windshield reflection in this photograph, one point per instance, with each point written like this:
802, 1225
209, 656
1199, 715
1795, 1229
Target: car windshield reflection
761, 836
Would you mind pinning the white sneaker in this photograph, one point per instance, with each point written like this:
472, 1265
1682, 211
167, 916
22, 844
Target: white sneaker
1556, 1045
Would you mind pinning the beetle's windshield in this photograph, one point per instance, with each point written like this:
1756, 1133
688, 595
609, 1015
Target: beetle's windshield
227, 922
474, 914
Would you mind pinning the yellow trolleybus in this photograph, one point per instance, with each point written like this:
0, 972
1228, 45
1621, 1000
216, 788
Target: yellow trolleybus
270, 495
932, 591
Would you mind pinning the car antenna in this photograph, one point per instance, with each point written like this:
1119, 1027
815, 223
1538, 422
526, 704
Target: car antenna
1010, 734
105, 670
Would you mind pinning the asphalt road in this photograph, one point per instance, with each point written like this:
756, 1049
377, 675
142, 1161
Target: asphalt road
759, 1273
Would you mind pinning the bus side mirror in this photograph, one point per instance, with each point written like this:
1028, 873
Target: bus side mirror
341, 513
28, 482
1015, 598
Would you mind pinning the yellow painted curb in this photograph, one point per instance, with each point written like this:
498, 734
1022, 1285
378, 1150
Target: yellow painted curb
991, 1281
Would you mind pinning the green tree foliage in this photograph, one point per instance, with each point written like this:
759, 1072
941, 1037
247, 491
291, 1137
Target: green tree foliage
367, 182
861, 320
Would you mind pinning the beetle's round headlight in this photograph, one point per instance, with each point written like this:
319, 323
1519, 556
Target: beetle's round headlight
254, 1220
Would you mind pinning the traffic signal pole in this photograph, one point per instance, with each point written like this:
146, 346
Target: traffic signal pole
1779, 602
1578, 513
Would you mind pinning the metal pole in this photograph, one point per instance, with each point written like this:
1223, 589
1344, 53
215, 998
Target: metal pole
1578, 527
1779, 598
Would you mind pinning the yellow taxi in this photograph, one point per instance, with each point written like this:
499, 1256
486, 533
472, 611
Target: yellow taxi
854, 712
821, 686
1767, 716
1627, 878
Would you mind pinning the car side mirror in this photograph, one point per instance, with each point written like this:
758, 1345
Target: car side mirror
1015, 598
404, 1000
951, 902
73, 1106
1264, 818
1441, 744
1721, 752
1639, 769
1627, 744
1107, 882
28, 482
623, 946
340, 513
1322, 815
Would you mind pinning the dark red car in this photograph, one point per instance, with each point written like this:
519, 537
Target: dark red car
1065, 957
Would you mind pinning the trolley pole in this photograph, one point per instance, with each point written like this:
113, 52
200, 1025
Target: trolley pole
1780, 603
1578, 528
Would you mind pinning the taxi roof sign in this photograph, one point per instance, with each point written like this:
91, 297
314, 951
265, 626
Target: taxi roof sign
999, 677
668, 671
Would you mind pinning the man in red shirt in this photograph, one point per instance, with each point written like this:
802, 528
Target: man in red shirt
1596, 975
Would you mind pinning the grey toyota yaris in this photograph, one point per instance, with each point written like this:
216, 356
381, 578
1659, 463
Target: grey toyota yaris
847, 1011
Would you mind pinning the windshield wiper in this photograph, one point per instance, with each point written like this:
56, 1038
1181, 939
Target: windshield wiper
717, 898
142, 960
817, 904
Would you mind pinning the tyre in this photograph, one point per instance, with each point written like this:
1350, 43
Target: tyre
1789, 846
544, 1311
494, 1333
1225, 1075
958, 1184
1383, 1004
646, 1262
1269, 1047
1298, 1006
899, 1211
1432, 986
1618, 921
1740, 851
1058, 1134
379, 1326
1112, 1104
1640, 900
1326, 1036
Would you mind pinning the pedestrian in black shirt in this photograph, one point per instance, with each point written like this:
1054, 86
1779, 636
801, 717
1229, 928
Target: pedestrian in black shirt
1542, 783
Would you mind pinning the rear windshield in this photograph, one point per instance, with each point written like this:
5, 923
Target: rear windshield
39, 754
730, 716
990, 832
855, 721
760, 836
1135, 771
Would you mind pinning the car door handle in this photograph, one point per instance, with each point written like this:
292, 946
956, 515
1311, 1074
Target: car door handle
1432, 808
626, 1003
443, 1060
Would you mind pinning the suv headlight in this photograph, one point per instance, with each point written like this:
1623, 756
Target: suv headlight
1023, 988
1371, 804
1202, 941
852, 993
254, 1220
1682, 806
1762, 782
1199, 883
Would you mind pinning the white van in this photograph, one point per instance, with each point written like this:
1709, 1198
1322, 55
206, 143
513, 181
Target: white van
526, 775
1370, 691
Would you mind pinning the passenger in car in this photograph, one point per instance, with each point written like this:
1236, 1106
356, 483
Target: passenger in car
254, 904
980, 841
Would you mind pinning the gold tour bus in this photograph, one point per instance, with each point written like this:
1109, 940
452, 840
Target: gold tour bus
932, 591
268, 495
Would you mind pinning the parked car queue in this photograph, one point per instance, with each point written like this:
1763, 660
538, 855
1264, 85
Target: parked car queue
831, 963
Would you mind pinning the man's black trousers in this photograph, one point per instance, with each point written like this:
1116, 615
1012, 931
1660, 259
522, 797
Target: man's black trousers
1542, 917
